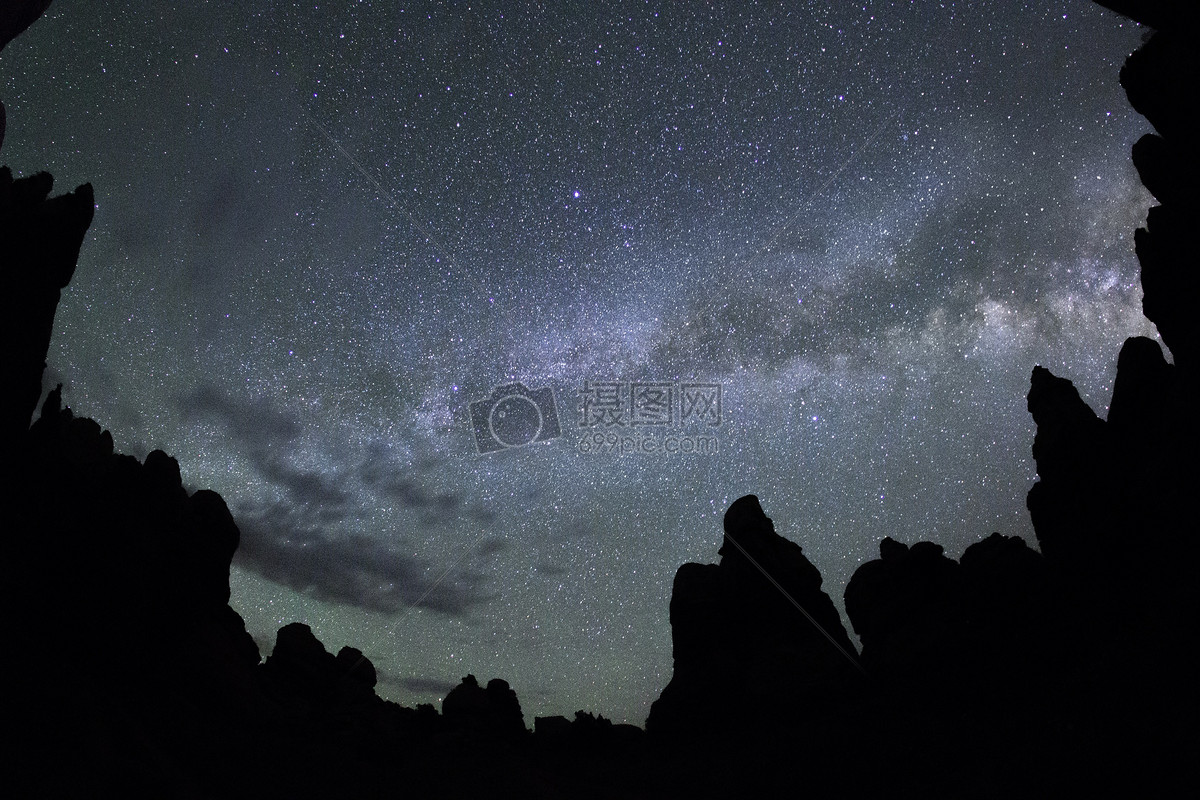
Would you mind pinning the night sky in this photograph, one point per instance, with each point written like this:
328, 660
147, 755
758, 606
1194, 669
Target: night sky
323, 231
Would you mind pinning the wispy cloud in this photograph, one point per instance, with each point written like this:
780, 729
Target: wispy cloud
308, 537
357, 569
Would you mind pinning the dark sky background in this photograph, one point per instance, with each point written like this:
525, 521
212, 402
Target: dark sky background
324, 230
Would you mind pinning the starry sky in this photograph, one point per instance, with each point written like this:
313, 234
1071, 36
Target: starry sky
325, 230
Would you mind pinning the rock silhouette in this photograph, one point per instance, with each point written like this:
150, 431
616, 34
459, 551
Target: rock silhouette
740, 626
763, 669
17, 15
1158, 80
1112, 508
492, 712
40, 238
1113, 516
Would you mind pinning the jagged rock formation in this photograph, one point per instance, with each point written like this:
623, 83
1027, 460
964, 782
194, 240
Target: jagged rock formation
40, 237
738, 629
1160, 80
964, 657
301, 669
1112, 507
1113, 514
17, 15
1073, 454
907, 609
150, 553
1103, 482
493, 712
587, 731
39, 244
114, 555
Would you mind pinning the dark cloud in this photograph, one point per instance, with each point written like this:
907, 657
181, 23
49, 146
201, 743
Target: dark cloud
393, 482
357, 569
549, 569
491, 546
253, 422
302, 541
262, 429
304, 486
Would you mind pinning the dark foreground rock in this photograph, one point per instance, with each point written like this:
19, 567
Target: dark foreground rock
756, 626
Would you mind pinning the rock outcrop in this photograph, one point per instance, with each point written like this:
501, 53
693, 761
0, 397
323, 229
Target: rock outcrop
492, 713
17, 15
1112, 508
1113, 513
755, 639
1160, 80
131, 572
40, 239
